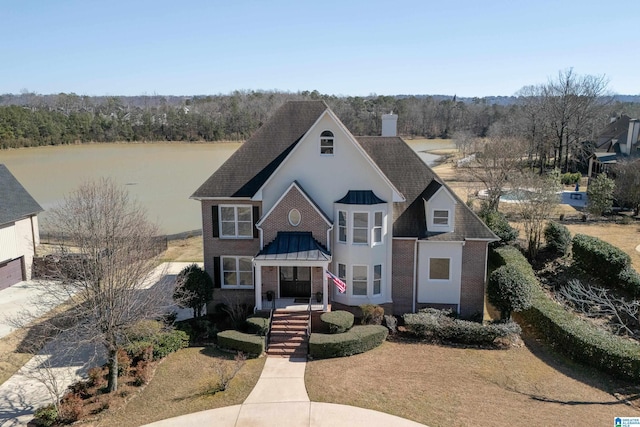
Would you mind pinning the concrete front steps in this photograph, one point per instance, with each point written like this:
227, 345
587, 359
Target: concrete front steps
289, 334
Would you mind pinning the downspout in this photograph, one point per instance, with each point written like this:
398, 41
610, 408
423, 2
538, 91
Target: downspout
415, 272
33, 236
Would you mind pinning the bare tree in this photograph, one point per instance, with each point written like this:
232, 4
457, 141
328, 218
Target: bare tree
627, 189
537, 197
498, 160
103, 272
598, 302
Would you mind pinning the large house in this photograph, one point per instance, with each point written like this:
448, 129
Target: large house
19, 234
303, 196
618, 141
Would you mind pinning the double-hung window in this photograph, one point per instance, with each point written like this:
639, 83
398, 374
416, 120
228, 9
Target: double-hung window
235, 221
342, 226
440, 217
377, 227
237, 272
359, 280
377, 279
361, 227
326, 143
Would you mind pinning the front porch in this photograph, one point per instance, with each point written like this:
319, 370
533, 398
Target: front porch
294, 304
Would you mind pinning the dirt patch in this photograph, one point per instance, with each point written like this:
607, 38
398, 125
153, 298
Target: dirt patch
443, 386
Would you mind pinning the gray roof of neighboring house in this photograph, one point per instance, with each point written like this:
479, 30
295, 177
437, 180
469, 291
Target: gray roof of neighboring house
15, 202
294, 245
616, 130
251, 165
418, 182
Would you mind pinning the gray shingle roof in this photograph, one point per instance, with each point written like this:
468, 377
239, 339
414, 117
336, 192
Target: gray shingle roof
251, 165
418, 182
15, 202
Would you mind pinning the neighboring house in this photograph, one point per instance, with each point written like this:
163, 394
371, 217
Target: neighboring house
303, 195
19, 234
619, 140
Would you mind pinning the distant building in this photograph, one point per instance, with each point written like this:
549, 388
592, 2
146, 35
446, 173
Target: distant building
19, 235
619, 140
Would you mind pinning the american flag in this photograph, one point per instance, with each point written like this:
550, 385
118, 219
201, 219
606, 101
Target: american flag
342, 287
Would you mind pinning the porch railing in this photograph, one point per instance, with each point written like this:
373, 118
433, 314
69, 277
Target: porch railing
309, 319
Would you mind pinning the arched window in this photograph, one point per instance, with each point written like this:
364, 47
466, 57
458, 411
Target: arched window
326, 143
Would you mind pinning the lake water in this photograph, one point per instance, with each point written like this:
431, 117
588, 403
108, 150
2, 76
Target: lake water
160, 176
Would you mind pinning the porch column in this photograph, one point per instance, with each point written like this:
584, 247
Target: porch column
325, 288
258, 285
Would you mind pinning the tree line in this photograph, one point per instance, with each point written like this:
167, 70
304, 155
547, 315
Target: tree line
555, 119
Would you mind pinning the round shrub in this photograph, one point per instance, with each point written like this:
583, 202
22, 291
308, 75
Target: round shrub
337, 321
558, 238
258, 325
358, 339
509, 289
498, 223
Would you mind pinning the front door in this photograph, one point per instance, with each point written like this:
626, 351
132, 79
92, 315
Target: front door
295, 282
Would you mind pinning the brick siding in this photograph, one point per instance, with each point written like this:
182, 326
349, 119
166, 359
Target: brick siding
472, 292
402, 275
311, 220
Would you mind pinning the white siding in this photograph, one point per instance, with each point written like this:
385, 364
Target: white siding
442, 200
439, 291
24, 241
8, 245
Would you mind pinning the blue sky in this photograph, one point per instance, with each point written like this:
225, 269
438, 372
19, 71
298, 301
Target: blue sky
468, 48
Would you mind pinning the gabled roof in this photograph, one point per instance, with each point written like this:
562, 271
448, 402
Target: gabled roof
292, 245
15, 202
615, 131
251, 165
418, 182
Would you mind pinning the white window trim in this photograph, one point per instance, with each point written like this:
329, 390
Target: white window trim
429, 270
366, 295
328, 138
346, 227
373, 280
433, 218
367, 228
374, 227
235, 214
237, 271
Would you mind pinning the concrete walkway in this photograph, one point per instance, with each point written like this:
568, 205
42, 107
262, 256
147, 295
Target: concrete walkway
280, 399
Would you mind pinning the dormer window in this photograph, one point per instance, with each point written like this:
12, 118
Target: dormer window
440, 217
326, 143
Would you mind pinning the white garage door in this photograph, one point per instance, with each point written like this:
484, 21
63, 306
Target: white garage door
10, 273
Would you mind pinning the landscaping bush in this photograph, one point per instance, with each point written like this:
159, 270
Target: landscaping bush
570, 178
598, 257
46, 416
558, 238
629, 279
337, 321
372, 314
509, 289
239, 341
357, 340
578, 339
258, 325
499, 224
438, 325
168, 342
582, 341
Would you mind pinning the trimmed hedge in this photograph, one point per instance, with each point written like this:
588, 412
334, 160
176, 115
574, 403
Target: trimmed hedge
161, 344
338, 321
598, 257
582, 341
239, 341
358, 339
606, 262
258, 325
578, 339
435, 324
509, 289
